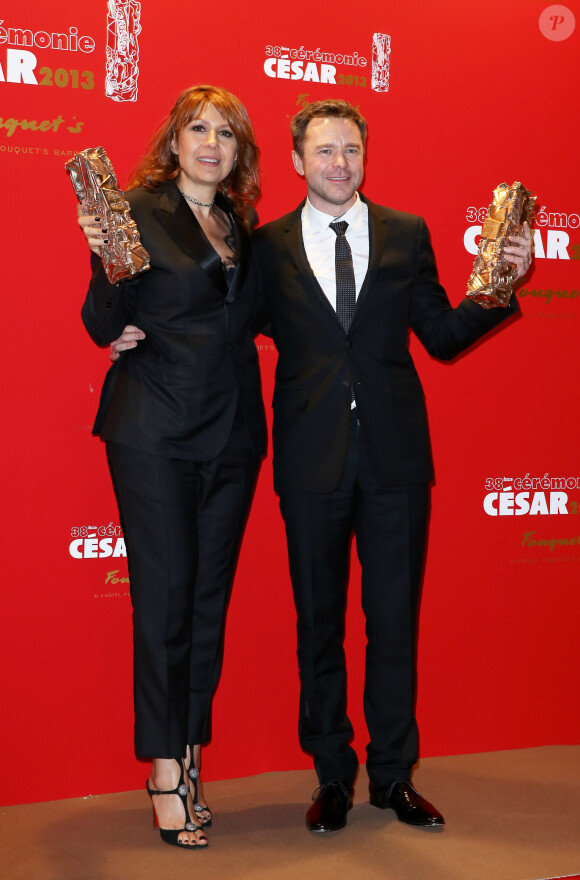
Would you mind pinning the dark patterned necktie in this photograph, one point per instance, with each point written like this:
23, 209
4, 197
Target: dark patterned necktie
345, 283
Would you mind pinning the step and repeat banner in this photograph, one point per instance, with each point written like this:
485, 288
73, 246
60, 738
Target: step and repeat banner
458, 99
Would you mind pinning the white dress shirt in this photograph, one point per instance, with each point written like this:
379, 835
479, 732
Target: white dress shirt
320, 240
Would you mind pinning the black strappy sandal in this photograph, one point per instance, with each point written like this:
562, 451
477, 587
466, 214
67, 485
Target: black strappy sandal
193, 774
171, 835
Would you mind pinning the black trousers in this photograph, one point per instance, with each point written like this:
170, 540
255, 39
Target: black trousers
390, 529
182, 522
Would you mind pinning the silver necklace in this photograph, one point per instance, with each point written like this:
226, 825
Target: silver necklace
195, 201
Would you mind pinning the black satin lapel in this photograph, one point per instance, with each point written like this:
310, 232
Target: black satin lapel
298, 254
377, 243
189, 237
242, 249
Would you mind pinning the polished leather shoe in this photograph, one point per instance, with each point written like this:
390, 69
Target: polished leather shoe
407, 803
332, 802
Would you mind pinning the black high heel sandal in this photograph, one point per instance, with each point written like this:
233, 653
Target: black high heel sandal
171, 835
193, 774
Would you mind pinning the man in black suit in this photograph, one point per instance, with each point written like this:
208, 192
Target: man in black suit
351, 447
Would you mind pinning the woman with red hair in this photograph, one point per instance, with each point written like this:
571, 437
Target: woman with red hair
182, 418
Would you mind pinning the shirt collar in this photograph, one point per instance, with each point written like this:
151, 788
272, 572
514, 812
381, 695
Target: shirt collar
317, 221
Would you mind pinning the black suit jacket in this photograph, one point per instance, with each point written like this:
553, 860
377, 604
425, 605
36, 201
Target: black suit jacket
318, 361
176, 394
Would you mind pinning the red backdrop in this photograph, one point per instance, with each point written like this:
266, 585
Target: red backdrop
473, 100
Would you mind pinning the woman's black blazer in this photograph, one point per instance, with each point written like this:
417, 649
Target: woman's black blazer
176, 394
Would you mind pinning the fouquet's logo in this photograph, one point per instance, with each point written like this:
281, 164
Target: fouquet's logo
529, 496
97, 542
531, 539
332, 68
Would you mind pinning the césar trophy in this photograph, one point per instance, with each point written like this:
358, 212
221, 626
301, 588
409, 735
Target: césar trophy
94, 182
491, 281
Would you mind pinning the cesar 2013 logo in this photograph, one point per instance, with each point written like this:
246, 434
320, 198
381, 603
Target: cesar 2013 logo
529, 496
320, 66
122, 54
97, 542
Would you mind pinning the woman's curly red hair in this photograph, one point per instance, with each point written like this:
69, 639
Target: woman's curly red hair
242, 185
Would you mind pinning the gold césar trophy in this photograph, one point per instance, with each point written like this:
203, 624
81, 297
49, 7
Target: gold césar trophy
491, 281
94, 181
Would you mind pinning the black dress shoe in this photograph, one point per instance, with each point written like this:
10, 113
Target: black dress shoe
332, 801
407, 803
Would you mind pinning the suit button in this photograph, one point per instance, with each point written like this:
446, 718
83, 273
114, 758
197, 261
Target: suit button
348, 343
